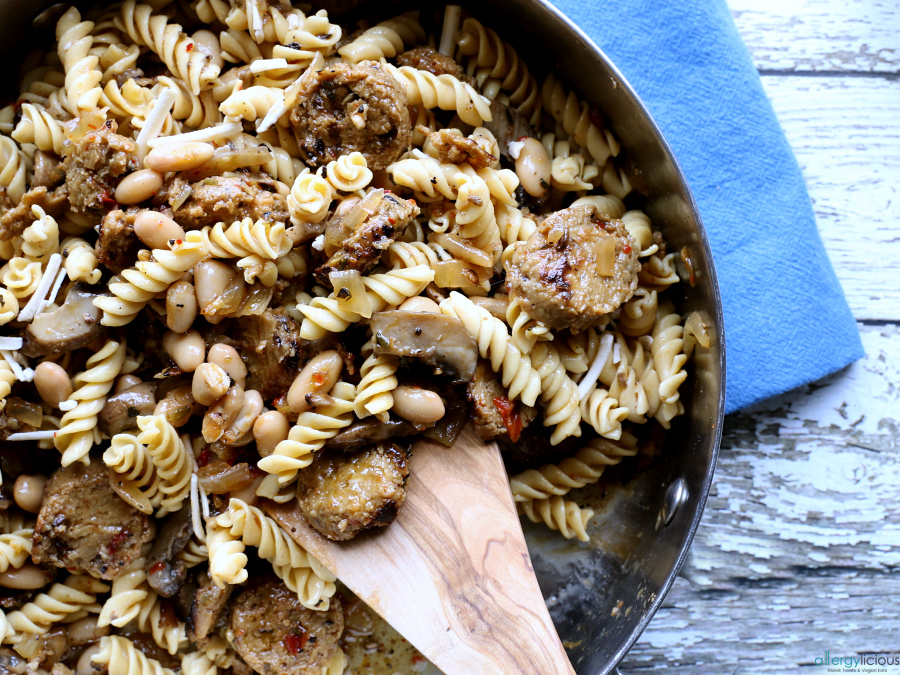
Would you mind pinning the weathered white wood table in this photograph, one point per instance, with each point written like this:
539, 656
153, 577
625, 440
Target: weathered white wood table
799, 548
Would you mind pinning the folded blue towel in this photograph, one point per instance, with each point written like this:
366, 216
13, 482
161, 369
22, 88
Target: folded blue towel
786, 320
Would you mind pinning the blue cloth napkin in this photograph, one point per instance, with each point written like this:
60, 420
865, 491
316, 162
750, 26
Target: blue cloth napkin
786, 320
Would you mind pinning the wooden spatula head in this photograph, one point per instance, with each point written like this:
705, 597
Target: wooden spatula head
452, 574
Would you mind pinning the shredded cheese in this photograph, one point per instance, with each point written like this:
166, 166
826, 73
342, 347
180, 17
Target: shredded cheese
66, 406
30, 310
11, 342
196, 522
154, 123
32, 435
22, 374
51, 297
216, 133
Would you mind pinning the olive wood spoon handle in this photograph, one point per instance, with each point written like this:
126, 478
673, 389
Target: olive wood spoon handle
452, 573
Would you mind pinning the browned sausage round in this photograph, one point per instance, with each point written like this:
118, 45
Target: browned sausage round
276, 635
342, 494
352, 108
575, 268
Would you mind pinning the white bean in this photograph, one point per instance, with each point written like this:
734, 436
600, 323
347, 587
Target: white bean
156, 230
138, 187
417, 405
533, 167
187, 350
84, 631
52, 382
317, 376
28, 492
126, 382
179, 156
211, 278
227, 358
181, 306
209, 384
85, 666
269, 430
421, 304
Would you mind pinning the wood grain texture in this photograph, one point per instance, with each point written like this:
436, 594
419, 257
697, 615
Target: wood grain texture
452, 574
845, 133
799, 549
821, 35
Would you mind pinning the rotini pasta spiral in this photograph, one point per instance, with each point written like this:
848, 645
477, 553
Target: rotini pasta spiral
310, 198
252, 103
80, 260
39, 127
387, 39
497, 62
227, 560
21, 276
13, 168
76, 432
558, 514
40, 239
638, 225
195, 65
197, 111
402, 254
349, 173
121, 657
147, 278
7, 379
378, 380
639, 314
83, 73
129, 591
129, 100
173, 464
195, 553
9, 306
575, 117
15, 548
609, 205
139, 483
327, 315
525, 330
246, 238
668, 356
583, 468
309, 434
64, 600
444, 92
604, 413
169, 636
495, 344
291, 562
658, 272
559, 394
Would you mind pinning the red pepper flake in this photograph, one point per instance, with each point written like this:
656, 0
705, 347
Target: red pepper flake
107, 200
626, 249
522, 138
190, 46
117, 541
157, 567
511, 419
318, 378
204, 457
596, 118
255, 471
417, 658
392, 221
296, 640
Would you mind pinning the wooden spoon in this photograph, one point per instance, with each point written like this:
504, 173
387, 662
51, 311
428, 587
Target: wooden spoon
452, 573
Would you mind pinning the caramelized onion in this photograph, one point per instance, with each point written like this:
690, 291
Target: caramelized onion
350, 292
219, 478
25, 412
605, 250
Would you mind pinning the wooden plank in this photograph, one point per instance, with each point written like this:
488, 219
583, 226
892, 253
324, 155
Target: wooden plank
821, 35
845, 132
800, 544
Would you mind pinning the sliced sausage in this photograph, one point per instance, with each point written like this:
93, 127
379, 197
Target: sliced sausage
560, 274
95, 166
276, 635
84, 526
229, 198
343, 493
340, 97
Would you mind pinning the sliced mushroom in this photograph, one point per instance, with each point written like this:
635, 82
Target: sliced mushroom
438, 340
47, 170
507, 125
120, 412
369, 431
73, 326
165, 572
208, 605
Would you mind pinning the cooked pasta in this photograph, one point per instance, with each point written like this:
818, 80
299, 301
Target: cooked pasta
558, 514
76, 428
249, 254
301, 572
